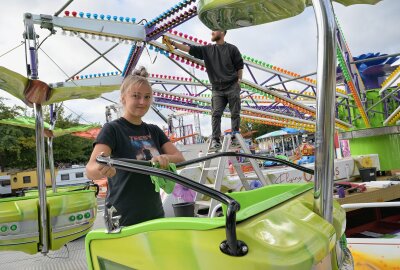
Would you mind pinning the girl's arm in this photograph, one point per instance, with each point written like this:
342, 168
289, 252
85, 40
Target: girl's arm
171, 155
94, 170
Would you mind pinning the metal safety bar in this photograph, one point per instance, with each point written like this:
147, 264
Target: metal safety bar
231, 246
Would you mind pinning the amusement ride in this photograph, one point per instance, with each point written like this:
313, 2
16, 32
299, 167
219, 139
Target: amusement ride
259, 229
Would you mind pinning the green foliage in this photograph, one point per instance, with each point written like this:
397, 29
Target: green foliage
18, 145
247, 126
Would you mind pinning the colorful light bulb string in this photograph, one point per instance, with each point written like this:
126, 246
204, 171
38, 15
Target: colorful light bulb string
291, 124
389, 78
169, 12
155, 31
96, 16
352, 88
352, 66
96, 75
252, 60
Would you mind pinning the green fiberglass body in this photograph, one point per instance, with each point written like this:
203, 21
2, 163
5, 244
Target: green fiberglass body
231, 14
279, 236
71, 215
275, 228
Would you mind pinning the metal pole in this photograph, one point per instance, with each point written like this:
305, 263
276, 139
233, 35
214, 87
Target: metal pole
97, 58
273, 145
105, 58
51, 163
63, 7
326, 82
188, 72
40, 161
30, 36
293, 145
375, 58
292, 79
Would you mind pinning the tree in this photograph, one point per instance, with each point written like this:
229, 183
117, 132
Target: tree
18, 145
247, 126
69, 149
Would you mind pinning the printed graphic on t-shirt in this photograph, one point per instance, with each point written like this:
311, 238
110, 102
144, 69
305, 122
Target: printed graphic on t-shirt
144, 147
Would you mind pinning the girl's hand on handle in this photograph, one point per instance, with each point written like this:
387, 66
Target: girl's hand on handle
106, 171
163, 160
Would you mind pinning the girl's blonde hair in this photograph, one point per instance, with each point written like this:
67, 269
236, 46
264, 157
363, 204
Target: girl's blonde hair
137, 78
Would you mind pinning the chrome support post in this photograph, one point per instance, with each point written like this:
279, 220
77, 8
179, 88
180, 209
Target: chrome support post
325, 128
40, 170
30, 37
53, 119
51, 163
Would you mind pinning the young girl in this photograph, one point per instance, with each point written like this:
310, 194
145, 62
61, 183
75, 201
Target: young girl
132, 194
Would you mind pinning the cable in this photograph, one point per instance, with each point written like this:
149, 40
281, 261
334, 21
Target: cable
57, 66
79, 115
28, 71
22, 42
148, 53
142, 21
63, 7
109, 100
40, 44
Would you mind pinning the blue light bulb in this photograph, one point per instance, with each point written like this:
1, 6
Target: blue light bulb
102, 16
115, 18
88, 15
95, 16
108, 17
81, 14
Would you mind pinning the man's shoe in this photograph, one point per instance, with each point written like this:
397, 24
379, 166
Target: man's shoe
235, 141
215, 145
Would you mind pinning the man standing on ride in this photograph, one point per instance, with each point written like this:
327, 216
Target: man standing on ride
224, 66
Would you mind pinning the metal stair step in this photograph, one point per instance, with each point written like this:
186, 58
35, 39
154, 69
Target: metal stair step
243, 163
251, 178
203, 203
210, 169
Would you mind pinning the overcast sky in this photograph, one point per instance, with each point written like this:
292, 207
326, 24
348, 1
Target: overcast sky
290, 43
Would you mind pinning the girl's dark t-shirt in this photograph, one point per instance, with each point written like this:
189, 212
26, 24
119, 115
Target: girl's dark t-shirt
133, 194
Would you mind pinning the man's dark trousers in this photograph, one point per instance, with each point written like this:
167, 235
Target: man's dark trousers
220, 98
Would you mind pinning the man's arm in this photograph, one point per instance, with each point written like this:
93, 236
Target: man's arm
180, 46
240, 74
238, 62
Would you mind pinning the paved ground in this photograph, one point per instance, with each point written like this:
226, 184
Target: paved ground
70, 257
